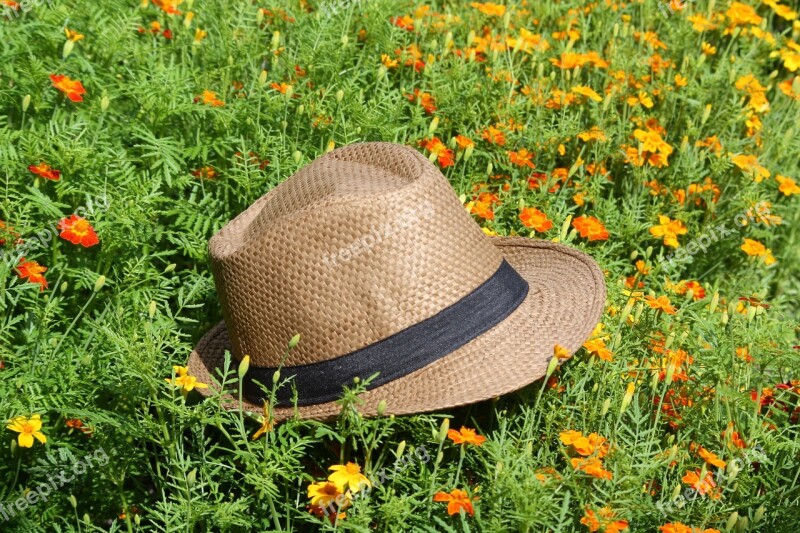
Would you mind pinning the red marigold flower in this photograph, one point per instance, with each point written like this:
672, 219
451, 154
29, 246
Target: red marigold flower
72, 88
33, 272
535, 219
466, 435
590, 227
77, 230
44, 170
443, 154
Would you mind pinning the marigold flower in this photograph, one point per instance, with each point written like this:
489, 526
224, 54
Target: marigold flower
184, 381
72, 35
711, 458
652, 142
535, 219
423, 99
405, 22
348, 475
591, 228
72, 88
169, 6
77, 230
44, 170
593, 134
668, 230
591, 466
787, 185
456, 501
324, 493
210, 98
465, 435
678, 527
464, 142
490, 8
739, 14
754, 248
33, 272
705, 486
266, 425
588, 92
749, 164
661, 303
28, 429
388, 62
560, 352
605, 521
443, 154
494, 136
199, 35
522, 158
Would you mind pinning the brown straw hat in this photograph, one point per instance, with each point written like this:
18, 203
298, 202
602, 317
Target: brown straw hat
370, 256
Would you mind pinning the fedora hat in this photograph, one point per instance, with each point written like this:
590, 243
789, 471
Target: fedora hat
368, 253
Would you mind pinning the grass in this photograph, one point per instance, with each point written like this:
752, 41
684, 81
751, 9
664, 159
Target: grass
156, 169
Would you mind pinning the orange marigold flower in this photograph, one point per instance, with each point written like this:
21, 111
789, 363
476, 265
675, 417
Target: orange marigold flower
591, 466
591, 228
490, 8
33, 272
210, 98
207, 172
740, 14
678, 527
588, 92
598, 348
456, 501
535, 219
787, 185
464, 142
705, 486
711, 458
443, 154
44, 170
405, 22
606, 522
585, 445
465, 435
522, 158
423, 99
169, 6
661, 303
77, 230
72, 88
494, 136
754, 248
749, 164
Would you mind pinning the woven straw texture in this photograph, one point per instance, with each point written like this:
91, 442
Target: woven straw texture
367, 241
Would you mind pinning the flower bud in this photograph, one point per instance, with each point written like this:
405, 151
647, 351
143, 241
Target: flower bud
104, 103
626, 400
151, 309
244, 366
26, 101
99, 283
339, 96
381, 407
276, 377
443, 429
262, 78
67, 50
433, 125
551, 367
294, 341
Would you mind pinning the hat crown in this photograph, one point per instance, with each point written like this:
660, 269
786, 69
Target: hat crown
360, 244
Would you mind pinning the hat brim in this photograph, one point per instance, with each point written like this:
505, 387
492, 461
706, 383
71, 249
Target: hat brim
564, 303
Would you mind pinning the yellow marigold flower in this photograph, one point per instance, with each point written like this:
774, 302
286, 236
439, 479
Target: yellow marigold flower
668, 230
749, 164
593, 134
184, 381
652, 142
740, 14
680, 80
73, 35
588, 92
323, 494
28, 429
754, 248
388, 62
348, 475
708, 49
199, 35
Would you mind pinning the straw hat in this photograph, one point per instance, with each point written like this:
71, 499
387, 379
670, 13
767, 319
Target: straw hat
368, 253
